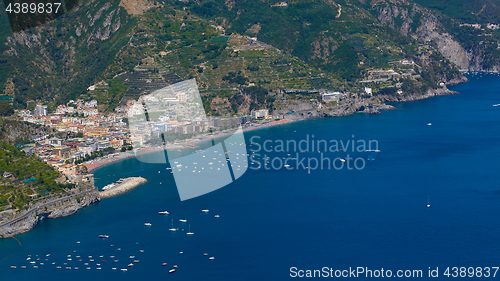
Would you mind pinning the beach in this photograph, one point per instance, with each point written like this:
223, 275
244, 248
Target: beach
188, 143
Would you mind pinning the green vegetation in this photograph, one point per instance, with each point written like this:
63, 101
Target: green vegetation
5, 108
319, 46
470, 11
17, 190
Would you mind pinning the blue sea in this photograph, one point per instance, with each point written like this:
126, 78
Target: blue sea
272, 220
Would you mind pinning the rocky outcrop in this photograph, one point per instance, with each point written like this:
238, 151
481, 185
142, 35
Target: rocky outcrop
55, 207
430, 30
311, 110
414, 97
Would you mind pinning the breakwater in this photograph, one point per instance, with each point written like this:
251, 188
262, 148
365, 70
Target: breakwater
124, 186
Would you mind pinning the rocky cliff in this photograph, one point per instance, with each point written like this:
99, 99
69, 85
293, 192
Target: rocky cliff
15, 223
471, 49
310, 109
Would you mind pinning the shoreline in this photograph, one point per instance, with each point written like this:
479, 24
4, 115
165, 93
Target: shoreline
97, 164
100, 163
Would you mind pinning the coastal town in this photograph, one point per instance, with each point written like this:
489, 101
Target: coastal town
94, 139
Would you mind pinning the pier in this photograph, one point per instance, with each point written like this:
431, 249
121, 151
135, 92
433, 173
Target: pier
123, 186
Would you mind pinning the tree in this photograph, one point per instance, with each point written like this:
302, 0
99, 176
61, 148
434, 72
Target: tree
6, 109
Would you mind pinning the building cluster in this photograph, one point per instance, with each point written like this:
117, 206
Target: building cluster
113, 132
95, 132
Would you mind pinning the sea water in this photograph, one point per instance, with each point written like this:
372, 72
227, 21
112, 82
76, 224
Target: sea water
277, 219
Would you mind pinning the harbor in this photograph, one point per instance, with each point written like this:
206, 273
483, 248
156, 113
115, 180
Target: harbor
121, 186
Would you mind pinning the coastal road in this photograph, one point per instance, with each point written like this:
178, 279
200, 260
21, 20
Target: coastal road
41, 206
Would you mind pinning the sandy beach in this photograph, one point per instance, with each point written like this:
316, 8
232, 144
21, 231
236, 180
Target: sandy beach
188, 143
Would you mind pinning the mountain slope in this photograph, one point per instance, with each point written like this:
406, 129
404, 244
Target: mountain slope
300, 45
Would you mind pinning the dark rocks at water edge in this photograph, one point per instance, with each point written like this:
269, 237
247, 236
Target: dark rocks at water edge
12, 223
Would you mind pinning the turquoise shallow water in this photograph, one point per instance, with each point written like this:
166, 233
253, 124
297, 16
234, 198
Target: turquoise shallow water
271, 220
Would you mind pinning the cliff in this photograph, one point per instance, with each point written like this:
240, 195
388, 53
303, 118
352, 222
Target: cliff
301, 110
414, 97
469, 48
15, 223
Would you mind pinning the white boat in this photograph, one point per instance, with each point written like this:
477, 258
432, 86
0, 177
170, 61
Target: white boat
429, 124
211, 258
428, 204
13, 266
173, 229
205, 211
130, 264
217, 216
183, 220
123, 269
171, 270
109, 186
190, 233
103, 236
147, 224
342, 160
163, 213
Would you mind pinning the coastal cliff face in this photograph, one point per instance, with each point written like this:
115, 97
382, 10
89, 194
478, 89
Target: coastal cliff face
310, 110
26, 220
428, 27
414, 97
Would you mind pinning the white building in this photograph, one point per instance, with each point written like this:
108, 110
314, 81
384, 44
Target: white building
335, 96
41, 110
261, 113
